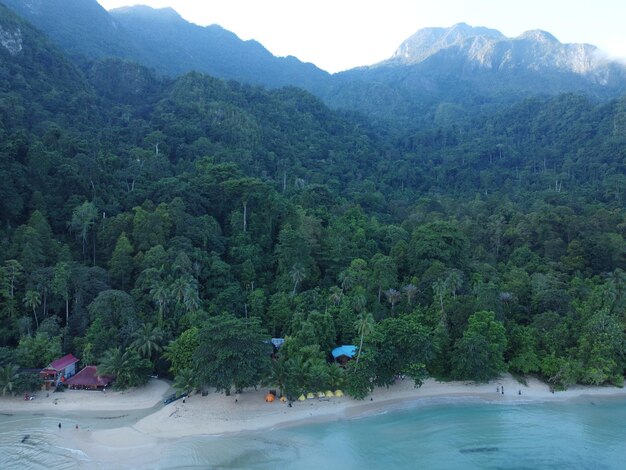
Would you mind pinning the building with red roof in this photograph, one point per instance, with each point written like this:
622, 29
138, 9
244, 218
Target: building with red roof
88, 379
58, 371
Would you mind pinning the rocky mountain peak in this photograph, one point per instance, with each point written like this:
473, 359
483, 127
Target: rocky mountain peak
465, 47
538, 35
166, 14
429, 41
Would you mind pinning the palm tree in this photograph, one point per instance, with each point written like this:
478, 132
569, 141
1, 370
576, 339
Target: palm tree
410, 290
129, 368
393, 296
364, 325
32, 300
454, 281
298, 274
439, 289
185, 381
335, 295
8, 378
277, 375
83, 217
359, 299
160, 295
148, 341
336, 377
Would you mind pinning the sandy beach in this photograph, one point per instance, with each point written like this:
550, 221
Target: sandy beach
218, 414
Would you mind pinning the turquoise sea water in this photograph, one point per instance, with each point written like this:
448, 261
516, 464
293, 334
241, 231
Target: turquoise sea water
590, 434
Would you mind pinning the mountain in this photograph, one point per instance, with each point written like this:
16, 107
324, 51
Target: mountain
436, 76
61, 91
429, 41
173, 46
163, 40
483, 48
465, 67
81, 27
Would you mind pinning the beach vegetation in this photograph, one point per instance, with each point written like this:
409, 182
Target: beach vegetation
9, 374
232, 354
127, 366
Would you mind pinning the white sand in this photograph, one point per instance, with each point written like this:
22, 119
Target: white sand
218, 414
86, 400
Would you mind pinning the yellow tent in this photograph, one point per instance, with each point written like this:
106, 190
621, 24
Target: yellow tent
329, 394
283, 399
301, 398
338, 393
310, 395
320, 395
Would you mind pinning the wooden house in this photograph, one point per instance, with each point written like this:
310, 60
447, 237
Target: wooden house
58, 371
88, 379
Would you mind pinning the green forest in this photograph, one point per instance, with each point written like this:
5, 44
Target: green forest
174, 226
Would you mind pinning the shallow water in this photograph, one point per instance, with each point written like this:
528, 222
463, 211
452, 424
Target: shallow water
427, 434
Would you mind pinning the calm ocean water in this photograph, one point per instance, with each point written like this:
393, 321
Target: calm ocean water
590, 434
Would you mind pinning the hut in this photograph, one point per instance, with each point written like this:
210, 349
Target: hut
58, 371
344, 353
88, 379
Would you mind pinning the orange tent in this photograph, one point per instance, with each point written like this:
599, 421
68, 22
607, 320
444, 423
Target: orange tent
270, 397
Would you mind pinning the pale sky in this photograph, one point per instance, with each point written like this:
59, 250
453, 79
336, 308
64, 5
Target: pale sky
337, 35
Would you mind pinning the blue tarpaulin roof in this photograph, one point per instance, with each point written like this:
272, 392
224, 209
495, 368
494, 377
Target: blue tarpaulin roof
348, 350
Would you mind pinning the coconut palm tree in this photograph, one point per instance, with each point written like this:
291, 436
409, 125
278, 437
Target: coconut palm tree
298, 274
8, 378
185, 381
129, 368
160, 295
148, 341
335, 295
83, 217
410, 290
364, 325
393, 296
277, 375
32, 300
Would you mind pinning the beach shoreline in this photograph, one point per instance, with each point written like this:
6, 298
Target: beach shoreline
216, 415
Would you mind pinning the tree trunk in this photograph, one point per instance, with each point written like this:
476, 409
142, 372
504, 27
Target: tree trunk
245, 216
94, 245
358, 356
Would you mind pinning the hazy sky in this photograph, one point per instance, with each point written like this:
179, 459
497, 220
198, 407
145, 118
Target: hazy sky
340, 34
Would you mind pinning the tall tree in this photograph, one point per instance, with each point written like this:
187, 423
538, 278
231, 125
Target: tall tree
83, 219
479, 354
364, 325
9, 375
32, 300
232, 353
121, 263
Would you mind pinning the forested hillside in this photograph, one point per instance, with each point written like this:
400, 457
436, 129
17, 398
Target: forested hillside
175, 226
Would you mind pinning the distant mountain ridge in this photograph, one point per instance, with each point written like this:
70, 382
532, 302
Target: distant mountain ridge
161, 39
460, 68
489, 49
